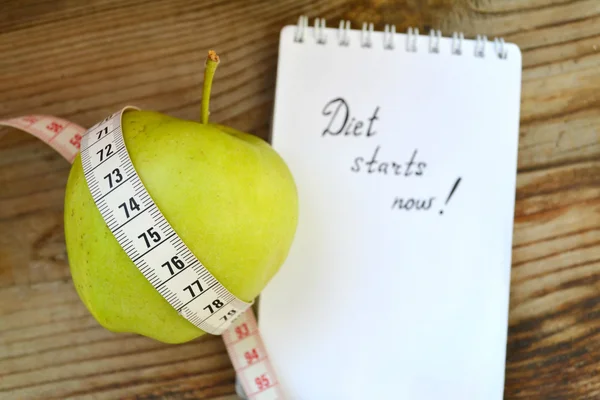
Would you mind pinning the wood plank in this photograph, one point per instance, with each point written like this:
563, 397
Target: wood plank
554, 331
49, 344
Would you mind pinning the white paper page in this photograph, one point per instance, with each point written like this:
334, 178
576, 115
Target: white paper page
376, 301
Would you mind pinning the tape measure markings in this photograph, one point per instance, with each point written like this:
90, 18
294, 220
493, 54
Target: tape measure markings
247, 351
62, 135
250, 359
159, 253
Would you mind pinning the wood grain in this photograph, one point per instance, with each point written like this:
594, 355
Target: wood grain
82, 60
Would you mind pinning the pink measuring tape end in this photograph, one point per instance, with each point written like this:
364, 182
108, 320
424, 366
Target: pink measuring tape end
250, 359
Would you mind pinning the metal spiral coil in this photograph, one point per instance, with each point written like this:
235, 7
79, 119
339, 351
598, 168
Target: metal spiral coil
388, 37
457, 39
344, 33
481, 45
301, 29
411, 39
320, 34
366, 39
434, 41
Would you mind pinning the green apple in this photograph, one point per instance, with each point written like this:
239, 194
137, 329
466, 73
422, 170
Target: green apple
228, 195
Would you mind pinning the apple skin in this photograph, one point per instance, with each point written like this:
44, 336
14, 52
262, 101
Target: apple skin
227, 194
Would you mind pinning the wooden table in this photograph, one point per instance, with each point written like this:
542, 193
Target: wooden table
82, 62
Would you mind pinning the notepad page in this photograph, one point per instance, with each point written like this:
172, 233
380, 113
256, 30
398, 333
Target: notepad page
397, 283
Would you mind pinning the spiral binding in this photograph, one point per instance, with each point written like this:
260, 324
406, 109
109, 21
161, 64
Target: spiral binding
457, 39
389, 36
343, 37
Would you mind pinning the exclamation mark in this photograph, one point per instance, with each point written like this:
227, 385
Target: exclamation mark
451, 192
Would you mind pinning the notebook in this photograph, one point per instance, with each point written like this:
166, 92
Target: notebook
404, 151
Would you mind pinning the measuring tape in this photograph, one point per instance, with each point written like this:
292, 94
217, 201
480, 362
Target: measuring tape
62, 135
146, 236
152, 244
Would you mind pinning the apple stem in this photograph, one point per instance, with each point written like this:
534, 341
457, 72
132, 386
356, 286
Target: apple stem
212, 61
